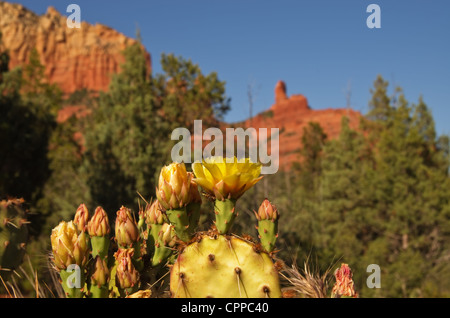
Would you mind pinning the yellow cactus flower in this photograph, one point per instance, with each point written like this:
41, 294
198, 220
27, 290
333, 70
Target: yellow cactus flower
224, 179
69, 246
174, 184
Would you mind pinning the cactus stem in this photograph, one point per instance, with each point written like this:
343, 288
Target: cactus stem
225, 214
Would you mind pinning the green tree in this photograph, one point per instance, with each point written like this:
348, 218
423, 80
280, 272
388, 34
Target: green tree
128, 137
306, 191
385, 198
28, 107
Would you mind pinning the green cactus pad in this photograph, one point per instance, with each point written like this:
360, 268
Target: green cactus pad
225, 214
13, 235
221, 266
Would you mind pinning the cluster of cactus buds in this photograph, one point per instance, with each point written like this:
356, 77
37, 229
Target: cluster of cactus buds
91, 266
165, 234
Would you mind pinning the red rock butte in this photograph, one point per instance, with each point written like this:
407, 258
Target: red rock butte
291, 115
74, 58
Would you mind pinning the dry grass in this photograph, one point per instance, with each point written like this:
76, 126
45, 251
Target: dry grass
41, 289
307, 282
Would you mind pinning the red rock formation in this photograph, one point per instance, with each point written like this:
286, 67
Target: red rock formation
73, 58
291, 115
280, 92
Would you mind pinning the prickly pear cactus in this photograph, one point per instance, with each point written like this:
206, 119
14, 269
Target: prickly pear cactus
13, 235
223, 266
216, 263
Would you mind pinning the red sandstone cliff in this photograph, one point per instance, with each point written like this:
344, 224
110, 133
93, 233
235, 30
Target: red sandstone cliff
73, 58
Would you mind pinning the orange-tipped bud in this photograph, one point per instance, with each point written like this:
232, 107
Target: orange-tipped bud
81, 218
126, 274
153, 214
127, 232
174, 186
194, 194
167, 235
267, 211
100, 277
99, 223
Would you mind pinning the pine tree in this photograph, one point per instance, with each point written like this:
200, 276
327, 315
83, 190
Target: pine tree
304, 205
28, 113
386, 198
347, 218
128, 138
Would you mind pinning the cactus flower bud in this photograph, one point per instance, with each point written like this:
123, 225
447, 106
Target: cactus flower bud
98, 229
99, 223
100, 277
164, 242
69, 246
194, 194
174, 186
127, 276
127, 232
344, 283
81, 218
167, 235
267, 211
153, 214
173, 194
267, 217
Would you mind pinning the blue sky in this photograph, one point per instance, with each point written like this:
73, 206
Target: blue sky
319, 48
